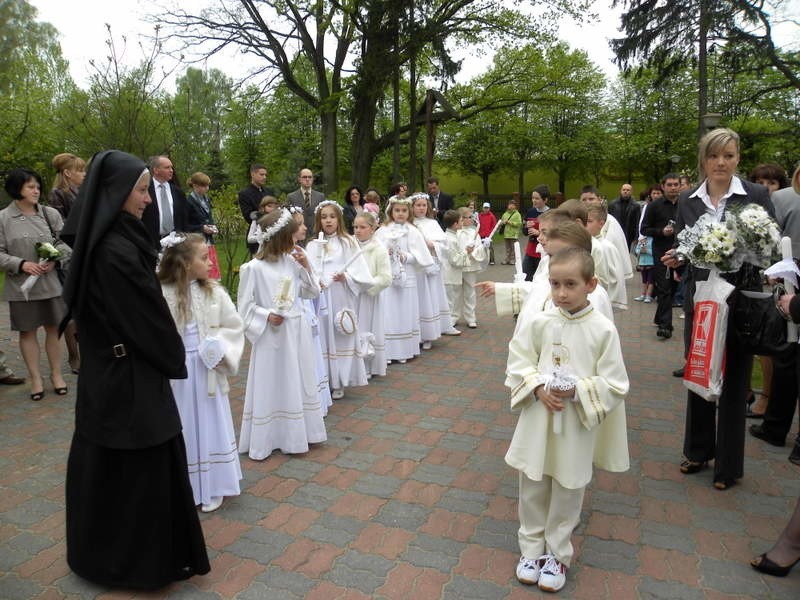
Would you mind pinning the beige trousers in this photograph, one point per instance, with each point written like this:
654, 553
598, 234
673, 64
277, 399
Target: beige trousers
548, 514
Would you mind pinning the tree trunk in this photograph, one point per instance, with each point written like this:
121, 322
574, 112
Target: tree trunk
485, 179
412, 131
702, 68
330, 177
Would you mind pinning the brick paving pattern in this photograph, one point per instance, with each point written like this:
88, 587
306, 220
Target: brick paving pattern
410, 497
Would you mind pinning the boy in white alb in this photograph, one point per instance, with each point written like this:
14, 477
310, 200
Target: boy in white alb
567, 376
471, 243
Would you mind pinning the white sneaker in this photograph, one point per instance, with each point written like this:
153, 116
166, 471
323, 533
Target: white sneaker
426, 345
403, 361
216, 502
472, 325
552, 575
648, 299
528, 570
337, 394
452, 331
640, 298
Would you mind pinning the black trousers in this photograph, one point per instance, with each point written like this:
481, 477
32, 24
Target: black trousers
717, 430
783, 399
529, 266
665, 287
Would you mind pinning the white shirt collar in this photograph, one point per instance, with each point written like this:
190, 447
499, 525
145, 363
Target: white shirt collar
701, 192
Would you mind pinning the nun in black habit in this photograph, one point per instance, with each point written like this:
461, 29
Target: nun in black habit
131, 519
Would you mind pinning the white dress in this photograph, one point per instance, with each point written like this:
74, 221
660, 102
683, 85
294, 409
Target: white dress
340, 333
371, 304
202, 398
406, 247
312, 309
432, 232
282, 409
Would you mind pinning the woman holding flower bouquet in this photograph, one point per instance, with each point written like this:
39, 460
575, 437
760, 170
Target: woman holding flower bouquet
32, 287
716, 431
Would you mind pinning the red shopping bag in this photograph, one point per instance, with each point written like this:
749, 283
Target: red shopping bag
705, 364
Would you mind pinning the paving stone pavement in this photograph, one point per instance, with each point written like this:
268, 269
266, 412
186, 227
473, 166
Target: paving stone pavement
410, 497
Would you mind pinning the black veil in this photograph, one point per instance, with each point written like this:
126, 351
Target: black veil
111, 176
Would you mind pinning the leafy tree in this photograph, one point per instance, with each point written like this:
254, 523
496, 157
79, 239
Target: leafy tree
196, 112
31, 85
478, 147
124, 108
332, 35
668, 36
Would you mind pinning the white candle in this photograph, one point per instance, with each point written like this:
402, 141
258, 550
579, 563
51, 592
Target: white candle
786, 252
517, 258
321, 236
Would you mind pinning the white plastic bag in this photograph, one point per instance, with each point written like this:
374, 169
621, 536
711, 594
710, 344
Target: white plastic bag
705, 365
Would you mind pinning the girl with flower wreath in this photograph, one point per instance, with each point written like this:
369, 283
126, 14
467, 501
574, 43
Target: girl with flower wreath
343, 274
282, 409
212, 335
410, 259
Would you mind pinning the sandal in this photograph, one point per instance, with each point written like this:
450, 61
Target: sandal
689, 467
37, 396
764, 565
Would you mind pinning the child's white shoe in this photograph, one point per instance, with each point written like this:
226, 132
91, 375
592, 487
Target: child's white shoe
426, 345
528, 570
552, 575
216, 502
337, 394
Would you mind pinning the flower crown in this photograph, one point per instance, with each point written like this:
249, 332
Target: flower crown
398, 200
267, 234
173, 239
327, 203
416, 196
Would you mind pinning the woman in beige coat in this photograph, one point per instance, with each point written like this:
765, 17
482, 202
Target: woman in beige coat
23, 223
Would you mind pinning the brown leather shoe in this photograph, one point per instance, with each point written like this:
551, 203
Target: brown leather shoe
12, 380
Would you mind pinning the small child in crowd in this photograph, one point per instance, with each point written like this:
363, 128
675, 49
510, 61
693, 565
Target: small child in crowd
267, 205
282, 409
486, 223
471, 246
370, 309
343, 275
645, 265
512, 223
567, 377
213, 338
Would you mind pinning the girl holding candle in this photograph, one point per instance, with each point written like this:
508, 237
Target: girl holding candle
371, 303
434, 309
213, 338
408, 254
282, 410
343, 275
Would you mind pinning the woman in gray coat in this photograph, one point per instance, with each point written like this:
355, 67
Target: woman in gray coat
23, 223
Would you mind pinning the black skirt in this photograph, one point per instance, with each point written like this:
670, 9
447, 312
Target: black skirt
131, 518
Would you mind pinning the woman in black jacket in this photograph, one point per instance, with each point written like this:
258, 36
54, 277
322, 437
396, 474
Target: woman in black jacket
131, 519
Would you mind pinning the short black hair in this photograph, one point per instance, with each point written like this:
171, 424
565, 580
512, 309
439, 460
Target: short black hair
670, 176
17, 178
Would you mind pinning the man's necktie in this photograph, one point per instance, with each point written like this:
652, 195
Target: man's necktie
167, 224
307, 196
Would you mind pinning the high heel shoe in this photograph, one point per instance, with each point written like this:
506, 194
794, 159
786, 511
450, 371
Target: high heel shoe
60, 391
765, 565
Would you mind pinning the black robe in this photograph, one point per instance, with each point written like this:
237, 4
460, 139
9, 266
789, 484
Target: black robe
131, 519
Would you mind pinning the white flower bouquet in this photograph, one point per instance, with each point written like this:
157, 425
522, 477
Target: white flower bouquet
747, 235
46, 252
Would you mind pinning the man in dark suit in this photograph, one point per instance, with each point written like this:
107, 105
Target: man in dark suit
441, 202
251, 196
659, 223
306, 198
167, 211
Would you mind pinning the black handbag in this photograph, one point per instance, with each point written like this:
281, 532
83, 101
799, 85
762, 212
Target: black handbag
758, 324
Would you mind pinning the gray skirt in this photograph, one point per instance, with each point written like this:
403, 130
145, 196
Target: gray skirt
29, 315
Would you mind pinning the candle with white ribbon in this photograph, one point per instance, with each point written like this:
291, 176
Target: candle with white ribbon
786, 252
